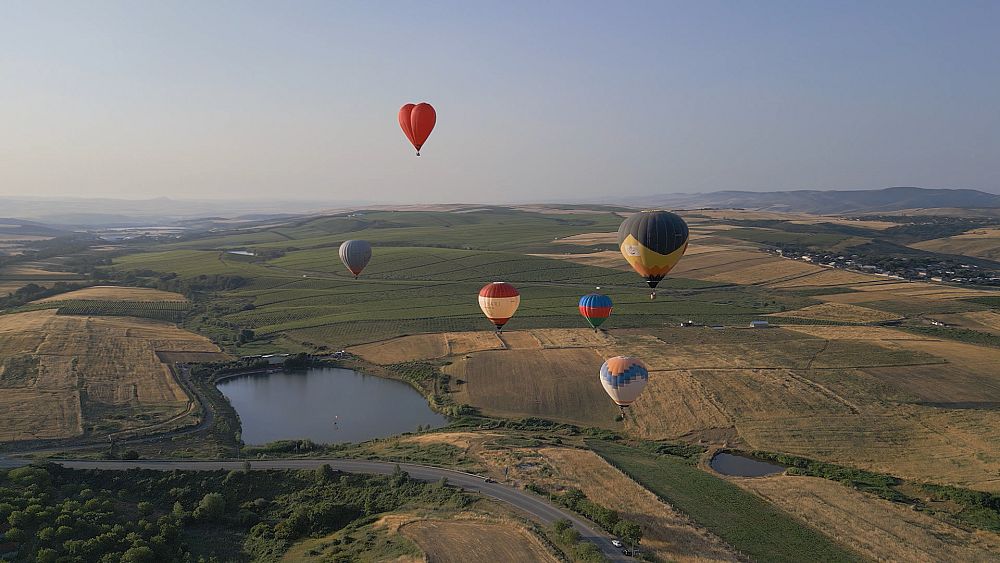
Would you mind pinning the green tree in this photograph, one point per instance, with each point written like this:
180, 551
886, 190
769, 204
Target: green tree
561, 525
46, 534
178, 511
145, 508
211, 507
46, 555
139, 554
324, 473
630, 532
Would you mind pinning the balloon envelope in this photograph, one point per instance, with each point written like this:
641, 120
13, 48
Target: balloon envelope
596, 308
417, 121
499, 301
624, 378
355, 254
653, 242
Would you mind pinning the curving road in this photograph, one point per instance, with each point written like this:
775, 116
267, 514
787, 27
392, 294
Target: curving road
524, 501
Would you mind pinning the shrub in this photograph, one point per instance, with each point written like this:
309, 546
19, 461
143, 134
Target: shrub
211, 507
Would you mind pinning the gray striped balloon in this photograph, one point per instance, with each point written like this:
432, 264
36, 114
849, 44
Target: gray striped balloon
355, 254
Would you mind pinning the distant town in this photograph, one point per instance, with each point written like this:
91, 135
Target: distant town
926, 269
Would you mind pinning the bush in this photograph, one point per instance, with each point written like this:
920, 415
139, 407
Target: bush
211, 507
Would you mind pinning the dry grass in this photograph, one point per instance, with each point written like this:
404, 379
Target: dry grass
867, 333
840, 312
985, 321
587, 239
520, 340
34, 270
455, 541
602, 259
405, 348
841, 394
876, 528
65, 375
116, 293
11, 286
570, 338
666, 532
465, 342
981, 243
463, 440
560, 385
427, 346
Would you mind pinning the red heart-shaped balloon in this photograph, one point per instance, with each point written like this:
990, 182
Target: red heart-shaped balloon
417, 122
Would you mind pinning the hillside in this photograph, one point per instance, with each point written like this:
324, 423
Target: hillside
831, 201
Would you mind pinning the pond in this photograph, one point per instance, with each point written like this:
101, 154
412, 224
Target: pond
742, 466
327, 405
241, 252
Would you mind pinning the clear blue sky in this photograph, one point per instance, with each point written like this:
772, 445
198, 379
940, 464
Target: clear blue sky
536, 100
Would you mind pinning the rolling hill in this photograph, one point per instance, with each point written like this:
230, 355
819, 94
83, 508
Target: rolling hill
827, 202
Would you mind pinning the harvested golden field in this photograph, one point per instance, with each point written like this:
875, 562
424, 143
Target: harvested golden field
11, 286
971, 374
463, 440
980, 243
456, 541
884, 289
840, 312
876, 528
602, 259
63, 375
823, 277
861, 224
465, 342
116, 293
871, 397
519, 340
570, 338
29, 270
560, 385
404, 348
666, 532
427, 346
913, 442
587, 239
984, 321
868, 333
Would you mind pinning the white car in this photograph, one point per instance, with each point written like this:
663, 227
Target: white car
616, 543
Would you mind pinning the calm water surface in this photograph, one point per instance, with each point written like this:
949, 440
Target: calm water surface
729, 464
326, 405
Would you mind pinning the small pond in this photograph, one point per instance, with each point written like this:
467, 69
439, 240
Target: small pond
241, 252
327, 405
742, 466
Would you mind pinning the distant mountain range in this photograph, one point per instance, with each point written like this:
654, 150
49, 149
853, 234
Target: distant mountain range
825, 202
99, 212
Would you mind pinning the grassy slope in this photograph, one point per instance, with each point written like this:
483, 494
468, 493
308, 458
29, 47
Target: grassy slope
307, 295
749, 523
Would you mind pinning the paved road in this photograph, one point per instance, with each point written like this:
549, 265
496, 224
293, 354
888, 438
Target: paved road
524, 501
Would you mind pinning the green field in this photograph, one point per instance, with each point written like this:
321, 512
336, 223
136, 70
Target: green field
171, 311
426, 271
749, 523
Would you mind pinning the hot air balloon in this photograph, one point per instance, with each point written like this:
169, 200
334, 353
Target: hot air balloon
417, 122
624, 378
355, 254
653, 242
499, 300
596, 308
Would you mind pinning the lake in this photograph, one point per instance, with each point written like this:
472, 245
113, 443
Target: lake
729, 464
327, 405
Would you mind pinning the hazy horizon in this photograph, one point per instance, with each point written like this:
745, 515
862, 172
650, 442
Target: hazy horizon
555, 102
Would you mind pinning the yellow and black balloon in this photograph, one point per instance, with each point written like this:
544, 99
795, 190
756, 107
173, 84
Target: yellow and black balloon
653, 242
